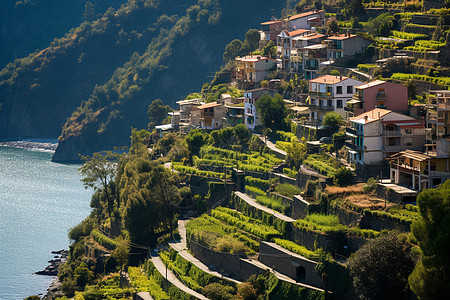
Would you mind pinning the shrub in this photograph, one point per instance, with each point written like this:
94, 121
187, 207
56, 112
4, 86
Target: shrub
343, 176
289, 172
256, 182
288, 190
218, 292
103, 240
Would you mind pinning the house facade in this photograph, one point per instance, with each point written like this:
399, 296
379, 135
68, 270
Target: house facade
330, 93
271, 29
345, 45
251, 117
212, 115
304, 20
437, 117
189, 113
418, 170
287, 49
378, 94
253, 68
380, 133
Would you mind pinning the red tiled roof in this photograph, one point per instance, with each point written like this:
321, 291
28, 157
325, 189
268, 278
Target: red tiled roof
305, 14
297, 32
209, 105
341, 36
311, 36
329, 79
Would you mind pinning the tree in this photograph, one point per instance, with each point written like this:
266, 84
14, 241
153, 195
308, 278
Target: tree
381, 267
296, 153
343, 176
243, 135
195, 140
332, 119
149, 195
270, 50
431, 276
232, 50
120, 254
381, 25
99, 171
252, 37
353, 8
157, 112
272, 111
89, 11
333, 26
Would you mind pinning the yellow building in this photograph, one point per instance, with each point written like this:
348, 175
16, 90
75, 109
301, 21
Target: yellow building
417, 170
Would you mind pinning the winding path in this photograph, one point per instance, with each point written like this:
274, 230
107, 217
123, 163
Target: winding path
170, 276
181, 248
255, 204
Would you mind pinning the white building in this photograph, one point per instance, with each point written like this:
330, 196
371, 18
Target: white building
330, 93
380, 133
305, 20
251, 118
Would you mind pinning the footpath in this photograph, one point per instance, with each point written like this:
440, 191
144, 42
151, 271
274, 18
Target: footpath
170, 276
271, 145
256, 205
181, 248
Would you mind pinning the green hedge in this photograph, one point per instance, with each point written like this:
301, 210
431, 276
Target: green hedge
103, 240
445, 81
296, 248
250, 225
257, 182
194, 171
272, 203
287, 189
144, 284
407, 35
366, 67
287, 136
329, 224
289, 172
254, 191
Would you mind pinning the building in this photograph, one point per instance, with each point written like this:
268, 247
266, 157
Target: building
313, 56
437, 117
270, 30
378, 94
377, 134
251, 118
307, 20
212, 115
304, 20
345, 45
287, 49
252, 69
189, 113
330, 93
417, 170
234, 114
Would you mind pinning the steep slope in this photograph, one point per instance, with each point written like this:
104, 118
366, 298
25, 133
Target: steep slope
39, 92
27, 25
116, 66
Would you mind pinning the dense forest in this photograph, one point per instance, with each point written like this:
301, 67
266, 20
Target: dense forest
96, 81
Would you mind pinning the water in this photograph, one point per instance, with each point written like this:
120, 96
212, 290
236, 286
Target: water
39, 202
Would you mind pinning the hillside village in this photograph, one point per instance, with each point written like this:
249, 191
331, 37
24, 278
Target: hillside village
271, 180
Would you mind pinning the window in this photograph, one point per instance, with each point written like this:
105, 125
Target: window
350, 89
408, 131
330, 103
339, 90
330, 89
339, 103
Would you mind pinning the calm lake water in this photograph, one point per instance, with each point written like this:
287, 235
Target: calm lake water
39, 202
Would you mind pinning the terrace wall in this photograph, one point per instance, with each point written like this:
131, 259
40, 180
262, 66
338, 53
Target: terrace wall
289, 264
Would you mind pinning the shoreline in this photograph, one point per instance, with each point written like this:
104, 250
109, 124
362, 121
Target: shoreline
32, 144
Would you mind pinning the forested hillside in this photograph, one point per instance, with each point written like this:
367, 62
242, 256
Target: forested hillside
100, 77
27, 25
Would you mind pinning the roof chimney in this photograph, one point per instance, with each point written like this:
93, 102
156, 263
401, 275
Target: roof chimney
366, 117
348, 33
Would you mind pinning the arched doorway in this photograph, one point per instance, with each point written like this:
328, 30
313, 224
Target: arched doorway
300, 274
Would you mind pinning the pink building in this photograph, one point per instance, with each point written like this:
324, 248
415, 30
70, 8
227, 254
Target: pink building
378, 94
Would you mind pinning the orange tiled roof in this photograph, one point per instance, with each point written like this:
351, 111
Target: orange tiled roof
305, 14
329, 79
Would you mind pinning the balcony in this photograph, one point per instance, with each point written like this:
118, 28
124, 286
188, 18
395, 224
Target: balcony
320, 107
353, 131
354, 147
321, 94
392, 133
350, 109
406, 169
307, 67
